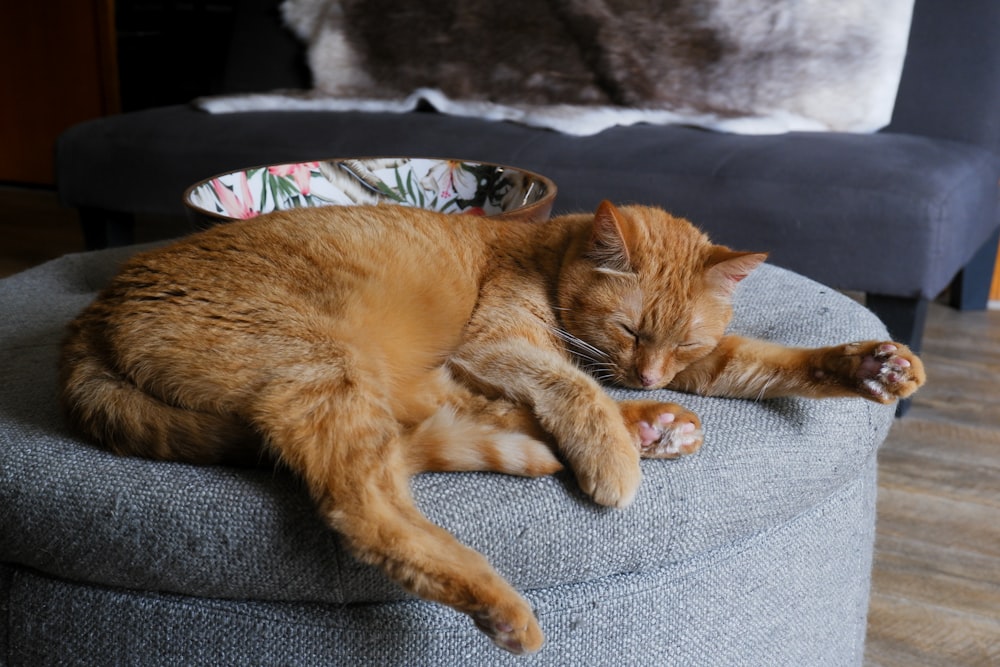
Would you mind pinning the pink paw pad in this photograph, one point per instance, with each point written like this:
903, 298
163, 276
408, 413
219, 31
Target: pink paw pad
881, 371
650, 433
667, 437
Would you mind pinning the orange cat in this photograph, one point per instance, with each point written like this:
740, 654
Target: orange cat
362, 345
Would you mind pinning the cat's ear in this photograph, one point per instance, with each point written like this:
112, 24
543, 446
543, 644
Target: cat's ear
609, 240
725, 268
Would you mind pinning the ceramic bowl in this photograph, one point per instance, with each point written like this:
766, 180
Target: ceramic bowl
450, 186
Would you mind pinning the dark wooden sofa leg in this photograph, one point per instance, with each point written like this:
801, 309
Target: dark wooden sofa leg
106, 229
971, 288
905, 320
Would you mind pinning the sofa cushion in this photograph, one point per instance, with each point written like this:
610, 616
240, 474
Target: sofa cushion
887, 213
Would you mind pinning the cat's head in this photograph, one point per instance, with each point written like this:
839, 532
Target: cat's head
647, 294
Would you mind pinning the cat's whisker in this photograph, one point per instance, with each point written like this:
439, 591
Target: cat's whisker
583, 347
596, 367
602, 371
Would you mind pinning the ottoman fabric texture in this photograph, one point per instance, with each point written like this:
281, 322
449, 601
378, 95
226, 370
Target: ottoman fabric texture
755, 551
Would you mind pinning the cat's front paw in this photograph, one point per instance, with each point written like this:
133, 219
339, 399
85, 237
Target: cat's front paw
610, 477
662, 430
882, 371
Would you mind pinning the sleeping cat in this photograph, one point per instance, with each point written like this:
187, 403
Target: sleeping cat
362, 345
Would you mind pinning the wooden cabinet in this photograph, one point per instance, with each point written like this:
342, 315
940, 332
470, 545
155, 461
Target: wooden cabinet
58, 68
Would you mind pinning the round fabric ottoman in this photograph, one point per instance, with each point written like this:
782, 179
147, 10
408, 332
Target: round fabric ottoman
755, 551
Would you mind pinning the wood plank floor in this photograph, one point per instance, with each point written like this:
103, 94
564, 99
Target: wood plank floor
936, 587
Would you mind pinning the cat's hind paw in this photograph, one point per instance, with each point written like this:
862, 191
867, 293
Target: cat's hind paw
662, 430
518, 634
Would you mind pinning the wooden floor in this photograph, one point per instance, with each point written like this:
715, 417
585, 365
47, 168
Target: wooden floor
936, 588
936, 591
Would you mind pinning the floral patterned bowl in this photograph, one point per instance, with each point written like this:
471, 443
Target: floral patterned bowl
451, 186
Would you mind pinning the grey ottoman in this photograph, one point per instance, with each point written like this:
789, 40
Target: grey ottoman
755, 551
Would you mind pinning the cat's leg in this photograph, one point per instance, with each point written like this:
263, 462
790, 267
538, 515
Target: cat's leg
659, 430
495, 435
454, 441
472, 432
662, 430
583, 420
450, 428
881, 371
340, 436
383, 528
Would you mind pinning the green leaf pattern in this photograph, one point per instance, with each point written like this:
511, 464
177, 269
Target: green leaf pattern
452, 186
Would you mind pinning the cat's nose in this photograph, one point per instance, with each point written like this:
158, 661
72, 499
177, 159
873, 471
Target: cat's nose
650, 378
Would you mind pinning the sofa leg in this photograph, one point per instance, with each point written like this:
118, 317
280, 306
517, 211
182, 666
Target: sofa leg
905, 319
971, 288
106, 229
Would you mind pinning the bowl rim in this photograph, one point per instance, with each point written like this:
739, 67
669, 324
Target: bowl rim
550, 186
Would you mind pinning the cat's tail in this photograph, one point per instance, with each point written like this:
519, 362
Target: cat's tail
108, 408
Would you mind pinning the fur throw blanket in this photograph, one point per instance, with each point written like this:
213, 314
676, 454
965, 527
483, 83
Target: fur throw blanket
580, 66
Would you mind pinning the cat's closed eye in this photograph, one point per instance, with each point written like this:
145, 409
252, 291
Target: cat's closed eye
629, 331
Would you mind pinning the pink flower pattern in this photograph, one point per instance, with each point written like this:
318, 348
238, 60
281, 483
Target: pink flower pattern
301, 173
444, 185
234, 206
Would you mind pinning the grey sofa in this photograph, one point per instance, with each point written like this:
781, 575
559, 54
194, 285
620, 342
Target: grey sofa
756, 551
898, 215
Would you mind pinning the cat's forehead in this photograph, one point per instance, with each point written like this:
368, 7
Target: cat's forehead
673, 294
671, 275
664, 245
665, 309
